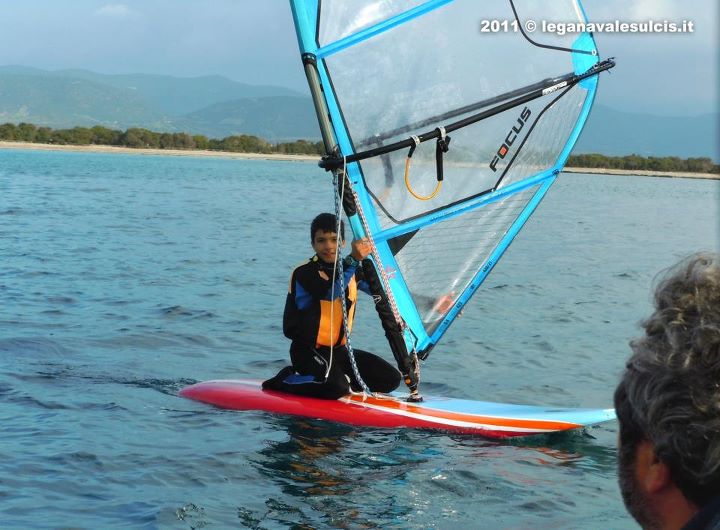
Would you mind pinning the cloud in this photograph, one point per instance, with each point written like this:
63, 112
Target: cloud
113, 10
640, 10
643, 9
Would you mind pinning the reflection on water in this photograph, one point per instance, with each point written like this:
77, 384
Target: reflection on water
319, 466
406, 475
298, 461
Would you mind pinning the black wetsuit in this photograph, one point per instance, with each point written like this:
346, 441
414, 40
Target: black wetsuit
313, 320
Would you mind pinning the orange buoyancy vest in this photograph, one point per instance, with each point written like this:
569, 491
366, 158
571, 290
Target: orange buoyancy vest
310, 316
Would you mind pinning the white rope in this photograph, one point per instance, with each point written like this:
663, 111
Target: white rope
381, 269
338, 265
384, 279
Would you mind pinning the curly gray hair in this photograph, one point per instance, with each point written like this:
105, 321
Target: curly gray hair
670, 391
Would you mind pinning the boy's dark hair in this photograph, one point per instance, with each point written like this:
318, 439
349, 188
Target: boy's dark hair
327, 222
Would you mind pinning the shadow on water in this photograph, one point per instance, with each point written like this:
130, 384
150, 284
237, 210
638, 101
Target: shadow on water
170, 387
572, 446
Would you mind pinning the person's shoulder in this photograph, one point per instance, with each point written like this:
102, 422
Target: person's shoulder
305, 267
301, 272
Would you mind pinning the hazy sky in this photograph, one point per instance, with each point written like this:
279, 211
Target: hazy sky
254, 42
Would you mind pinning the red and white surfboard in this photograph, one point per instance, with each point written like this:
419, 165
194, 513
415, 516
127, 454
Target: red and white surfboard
491, 420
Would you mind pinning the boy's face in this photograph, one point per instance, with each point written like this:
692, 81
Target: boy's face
325, 245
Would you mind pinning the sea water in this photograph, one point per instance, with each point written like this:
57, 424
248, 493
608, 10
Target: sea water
125, 277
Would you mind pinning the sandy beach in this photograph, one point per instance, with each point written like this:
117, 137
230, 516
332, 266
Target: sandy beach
642, 173
303, 158
163, 152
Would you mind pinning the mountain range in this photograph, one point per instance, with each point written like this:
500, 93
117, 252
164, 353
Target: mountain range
615, 133
212, 105
217, 107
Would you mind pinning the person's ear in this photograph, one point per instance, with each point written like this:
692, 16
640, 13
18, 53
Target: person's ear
652, 473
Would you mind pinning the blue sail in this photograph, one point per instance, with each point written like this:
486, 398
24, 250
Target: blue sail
451, 120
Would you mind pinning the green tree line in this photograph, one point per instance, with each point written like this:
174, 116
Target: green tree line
144, 138
651, 163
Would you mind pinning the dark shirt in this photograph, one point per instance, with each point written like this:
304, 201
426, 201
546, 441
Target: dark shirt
708, 518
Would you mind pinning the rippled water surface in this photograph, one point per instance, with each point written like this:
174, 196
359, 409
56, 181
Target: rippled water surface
126, 277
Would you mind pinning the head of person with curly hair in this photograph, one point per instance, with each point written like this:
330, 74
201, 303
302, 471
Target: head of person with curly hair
668, 404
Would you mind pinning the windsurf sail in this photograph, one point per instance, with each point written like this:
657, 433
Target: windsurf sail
448, 120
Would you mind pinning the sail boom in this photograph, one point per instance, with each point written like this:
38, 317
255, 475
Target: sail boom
543, 89
465, 110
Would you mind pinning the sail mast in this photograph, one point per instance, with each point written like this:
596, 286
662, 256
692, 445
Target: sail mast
400, 344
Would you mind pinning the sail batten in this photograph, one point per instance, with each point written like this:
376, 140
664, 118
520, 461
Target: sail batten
378, 28
410, 78
462, 208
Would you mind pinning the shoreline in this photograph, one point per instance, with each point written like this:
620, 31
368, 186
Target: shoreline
4, 144
641, 173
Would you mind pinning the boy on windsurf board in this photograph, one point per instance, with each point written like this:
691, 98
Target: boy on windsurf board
313, 321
